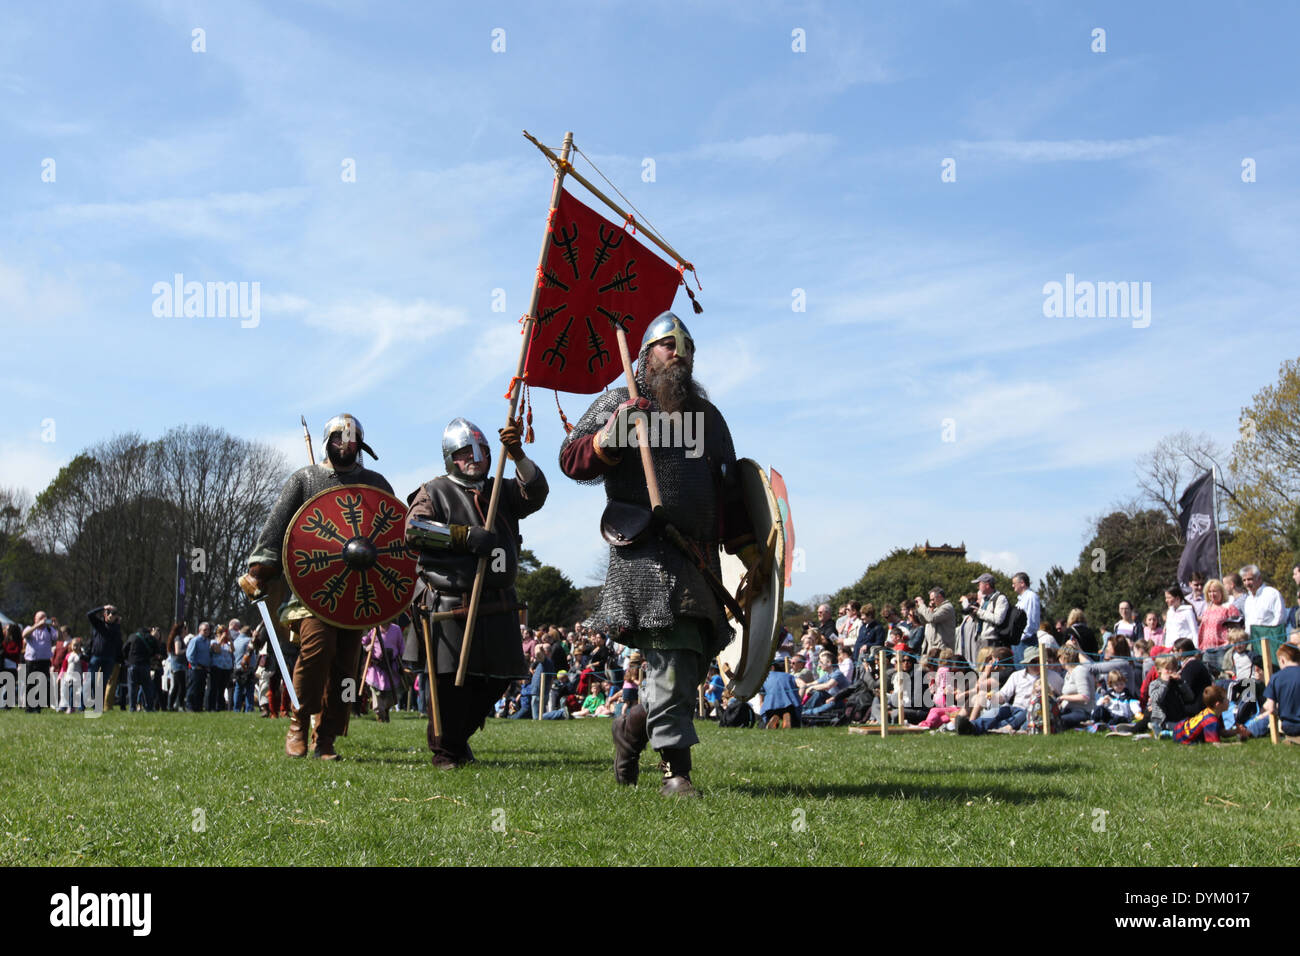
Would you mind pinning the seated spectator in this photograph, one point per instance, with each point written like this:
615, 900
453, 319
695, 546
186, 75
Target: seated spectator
781, 697
735, 712
1077, 627
945, 692
821, 693
1078, 697
594, 702
1282, 698
1193, 671
1116, 705
1009, 707
1169, 700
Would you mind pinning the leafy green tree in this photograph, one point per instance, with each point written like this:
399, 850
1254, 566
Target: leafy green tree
906, 573
1131, 556
550, 596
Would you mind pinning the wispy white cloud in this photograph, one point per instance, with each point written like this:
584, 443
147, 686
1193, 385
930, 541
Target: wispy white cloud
1063, 150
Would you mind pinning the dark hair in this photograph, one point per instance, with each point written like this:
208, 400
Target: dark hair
1184, 644
1175, 591
1214, 694
1022, 576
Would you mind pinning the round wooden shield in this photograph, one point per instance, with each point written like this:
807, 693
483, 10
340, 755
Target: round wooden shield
346, 559
746, 661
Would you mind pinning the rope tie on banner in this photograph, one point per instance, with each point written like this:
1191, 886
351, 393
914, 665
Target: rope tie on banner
681, 275
630, 223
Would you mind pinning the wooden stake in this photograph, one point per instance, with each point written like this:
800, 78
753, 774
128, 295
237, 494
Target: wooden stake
882, 697
541, 695
898, 679
701, 690
1044, 691
431, 675
516, 389
1268, 676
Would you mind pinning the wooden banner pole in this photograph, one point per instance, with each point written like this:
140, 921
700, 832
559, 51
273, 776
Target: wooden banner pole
516, 389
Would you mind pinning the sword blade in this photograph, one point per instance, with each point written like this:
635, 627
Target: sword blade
279, 655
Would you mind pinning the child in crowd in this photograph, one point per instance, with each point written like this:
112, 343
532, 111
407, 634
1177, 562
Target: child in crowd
945, 692
1169, 699
594, 701
1206, 725
1281, 699
1115, 705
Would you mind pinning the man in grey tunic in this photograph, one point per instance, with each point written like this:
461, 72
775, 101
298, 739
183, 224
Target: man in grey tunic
446, 523
655, 597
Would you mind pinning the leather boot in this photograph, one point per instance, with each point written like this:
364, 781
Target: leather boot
676, 768
630, 738
444, 757
324, 747
295, 742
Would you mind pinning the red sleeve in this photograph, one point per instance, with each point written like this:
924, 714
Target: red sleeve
580, 462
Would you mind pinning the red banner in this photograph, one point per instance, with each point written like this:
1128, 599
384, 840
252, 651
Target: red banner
783, 504
596, 274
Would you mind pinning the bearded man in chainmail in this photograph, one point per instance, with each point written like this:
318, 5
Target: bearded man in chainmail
655, 597
446, 524
328, 655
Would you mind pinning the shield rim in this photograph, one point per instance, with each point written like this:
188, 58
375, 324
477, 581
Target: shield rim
284, 550
744, 671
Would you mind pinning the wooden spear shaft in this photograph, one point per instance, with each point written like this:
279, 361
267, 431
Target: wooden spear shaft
431, 675
515, 389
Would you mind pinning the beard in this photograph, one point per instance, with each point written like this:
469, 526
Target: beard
673, 388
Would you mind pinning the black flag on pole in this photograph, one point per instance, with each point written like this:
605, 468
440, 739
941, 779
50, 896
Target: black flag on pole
180, 589
1197, 519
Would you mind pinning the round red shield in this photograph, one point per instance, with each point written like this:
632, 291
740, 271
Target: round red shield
346, 559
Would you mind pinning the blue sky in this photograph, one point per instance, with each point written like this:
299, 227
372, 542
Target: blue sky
775, 170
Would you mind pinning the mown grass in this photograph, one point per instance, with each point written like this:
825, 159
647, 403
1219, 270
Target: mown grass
122, 790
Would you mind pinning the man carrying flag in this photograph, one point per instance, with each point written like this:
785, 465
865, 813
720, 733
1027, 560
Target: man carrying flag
656, 598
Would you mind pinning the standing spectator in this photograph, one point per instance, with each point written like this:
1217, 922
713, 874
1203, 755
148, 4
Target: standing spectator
244, 654
13, 647
940, 623
992, 612
176, 664
1196, 595
61, 647
968, 632
871, 633
38, 648
1127, 625
1236, 590
139, 652
1180, 620
1152, 629
1264, 611
1077, 627
105, 651
1293, 612
852, 625
382, 675
223, 665
198, 652
1028, 603
70, 678
826, 623
1214, 620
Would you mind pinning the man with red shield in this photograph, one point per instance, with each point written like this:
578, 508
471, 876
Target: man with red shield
329, 654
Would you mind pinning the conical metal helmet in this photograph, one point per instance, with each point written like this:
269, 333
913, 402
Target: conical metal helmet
463, 433
668, 326
351, 428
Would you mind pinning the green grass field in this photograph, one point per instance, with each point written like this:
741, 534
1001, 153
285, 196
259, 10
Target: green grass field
133, 789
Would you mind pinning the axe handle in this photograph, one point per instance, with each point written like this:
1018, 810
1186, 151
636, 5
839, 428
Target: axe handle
431, 675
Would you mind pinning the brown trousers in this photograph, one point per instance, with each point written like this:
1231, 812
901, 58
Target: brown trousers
328, 657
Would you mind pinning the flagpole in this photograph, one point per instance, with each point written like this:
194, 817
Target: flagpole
1218, 549
471, 617
562, 165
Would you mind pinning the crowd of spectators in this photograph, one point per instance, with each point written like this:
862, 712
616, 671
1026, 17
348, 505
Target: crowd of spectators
971, 667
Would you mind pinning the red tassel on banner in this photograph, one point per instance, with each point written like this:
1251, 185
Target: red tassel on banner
528, 437
681, 272
567, 427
